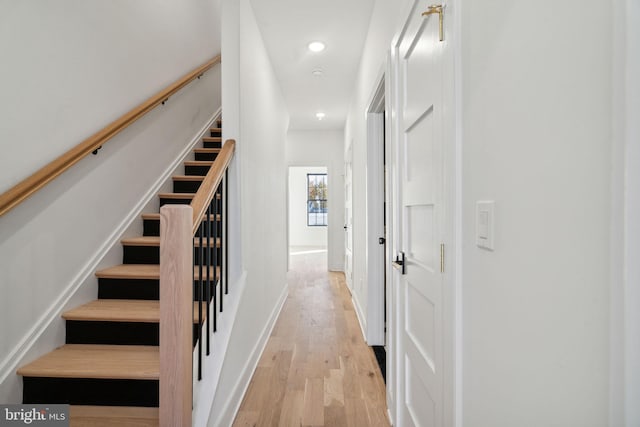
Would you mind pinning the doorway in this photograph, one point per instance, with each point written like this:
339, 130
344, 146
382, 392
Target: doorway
308, 209
377, 231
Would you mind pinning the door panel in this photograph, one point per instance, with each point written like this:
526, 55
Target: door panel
421, 223
421, 407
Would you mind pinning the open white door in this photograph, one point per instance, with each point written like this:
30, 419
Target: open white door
424, 322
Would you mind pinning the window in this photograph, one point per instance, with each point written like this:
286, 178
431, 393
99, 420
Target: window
317, 199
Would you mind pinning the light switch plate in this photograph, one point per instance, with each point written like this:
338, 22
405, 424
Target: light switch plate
485, 224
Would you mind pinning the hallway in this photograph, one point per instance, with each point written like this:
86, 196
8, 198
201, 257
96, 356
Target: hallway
316, 369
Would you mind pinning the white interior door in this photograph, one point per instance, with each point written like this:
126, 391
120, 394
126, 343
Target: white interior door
348, 218
421, 222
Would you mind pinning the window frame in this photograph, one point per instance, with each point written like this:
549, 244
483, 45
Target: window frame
323, 202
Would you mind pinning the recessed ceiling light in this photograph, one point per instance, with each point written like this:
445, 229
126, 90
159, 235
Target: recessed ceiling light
317, 72
316, 46
320, 115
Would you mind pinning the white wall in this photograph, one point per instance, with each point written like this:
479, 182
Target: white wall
262, 125
301, 234
76, 68
537, 139
384, 22
632, 213
324, 148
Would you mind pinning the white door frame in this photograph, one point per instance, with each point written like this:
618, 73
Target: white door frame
452, 133
375, 198
348, 217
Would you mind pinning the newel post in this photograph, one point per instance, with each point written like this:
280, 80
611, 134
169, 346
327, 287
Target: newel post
176, 315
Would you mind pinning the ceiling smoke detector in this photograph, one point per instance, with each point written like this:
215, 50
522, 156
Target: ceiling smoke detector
318, 72
320, 115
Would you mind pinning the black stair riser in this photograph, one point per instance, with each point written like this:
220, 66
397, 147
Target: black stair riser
151, 254
152, 228
164, 201
216, 134
196, 170
186, 186
144, 289
207, 157
89, 391
211, 144
116, 333
131, 289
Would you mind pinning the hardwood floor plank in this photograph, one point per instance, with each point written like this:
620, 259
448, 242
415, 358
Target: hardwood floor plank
356, 412
335, 416
333, 391
292, 407
247, 419
313, 413
316, 369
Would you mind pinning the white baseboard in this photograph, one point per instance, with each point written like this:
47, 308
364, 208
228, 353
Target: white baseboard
10, 364
360, 315
232, 405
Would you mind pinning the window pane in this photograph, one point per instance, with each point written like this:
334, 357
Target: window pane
317, 199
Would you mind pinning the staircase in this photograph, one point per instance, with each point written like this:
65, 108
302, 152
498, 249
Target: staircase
108, 370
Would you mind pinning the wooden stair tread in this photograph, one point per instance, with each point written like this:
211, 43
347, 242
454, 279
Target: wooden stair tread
151, 241
207, 150
117, 416
156, 217
198, 162
189, 178
120, 310
215, 129
139, 271
212, 139
98, 362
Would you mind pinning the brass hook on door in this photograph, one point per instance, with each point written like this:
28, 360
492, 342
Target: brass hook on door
439, 9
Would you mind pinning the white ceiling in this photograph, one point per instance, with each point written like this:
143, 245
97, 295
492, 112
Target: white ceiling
287, 27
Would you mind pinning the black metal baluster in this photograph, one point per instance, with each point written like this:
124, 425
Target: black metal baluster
226, 230
200, 300
215, 263
208, 289
220, 278
193, 292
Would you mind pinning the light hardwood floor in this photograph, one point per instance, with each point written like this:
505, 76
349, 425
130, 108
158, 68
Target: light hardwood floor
316, 369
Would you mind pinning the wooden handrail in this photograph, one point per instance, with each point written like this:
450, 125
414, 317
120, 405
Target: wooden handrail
207, 189
47, 173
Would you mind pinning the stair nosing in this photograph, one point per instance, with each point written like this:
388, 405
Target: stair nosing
148, 272
120, 311
84, 360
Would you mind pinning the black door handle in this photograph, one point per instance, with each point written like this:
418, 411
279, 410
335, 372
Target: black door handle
381, 240
400, 263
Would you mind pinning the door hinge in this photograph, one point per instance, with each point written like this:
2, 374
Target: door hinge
441, 257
